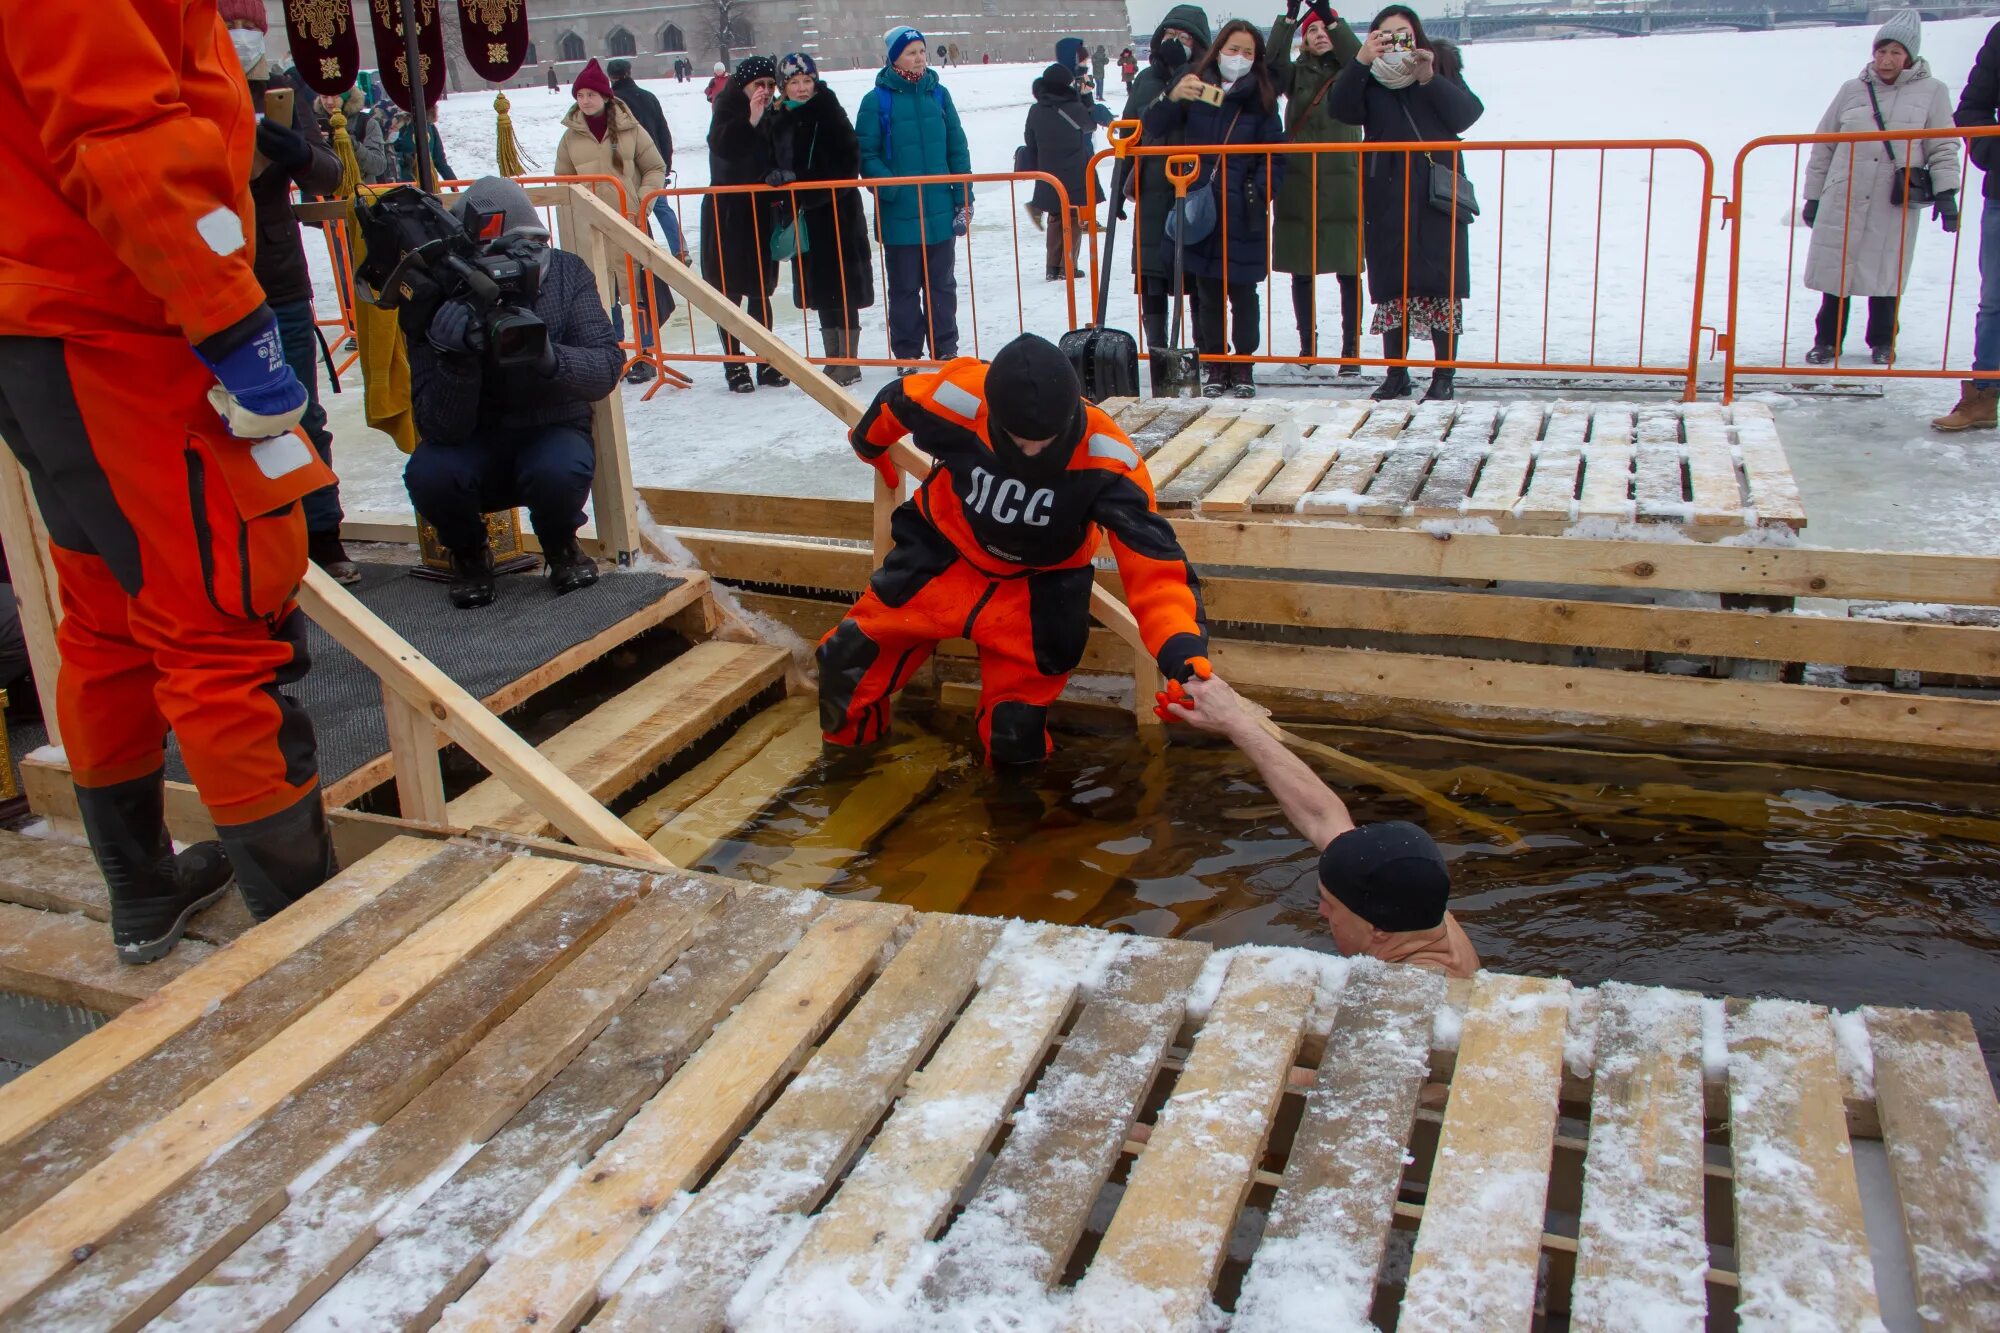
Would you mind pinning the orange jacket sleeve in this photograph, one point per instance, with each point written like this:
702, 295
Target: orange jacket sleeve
1160, 585
158, 182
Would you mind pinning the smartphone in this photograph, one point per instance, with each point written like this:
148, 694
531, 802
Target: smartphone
1210, 93
278, 105
1402, 41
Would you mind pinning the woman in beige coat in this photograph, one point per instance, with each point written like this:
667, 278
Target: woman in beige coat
1863, 244
601, 137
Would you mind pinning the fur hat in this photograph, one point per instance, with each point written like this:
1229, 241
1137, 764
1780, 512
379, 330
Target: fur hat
592, 78
621, 68
752, 68
898, 38
1905, 28
797, 62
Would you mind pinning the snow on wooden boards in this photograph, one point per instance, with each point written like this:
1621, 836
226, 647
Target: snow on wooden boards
1711, 471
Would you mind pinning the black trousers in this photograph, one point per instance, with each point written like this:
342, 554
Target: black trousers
1830, 327
1156, 303
1305, 308
1246, 315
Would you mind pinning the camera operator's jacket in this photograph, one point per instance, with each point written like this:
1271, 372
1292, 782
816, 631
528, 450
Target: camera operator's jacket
457, 398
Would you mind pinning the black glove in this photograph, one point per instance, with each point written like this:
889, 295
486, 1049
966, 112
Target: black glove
546, 364
451, 330
1947, 209
1809, 212
282, 146
780, 177
1292, 10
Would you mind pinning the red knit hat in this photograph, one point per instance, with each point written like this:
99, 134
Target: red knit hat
593, 78
239, 11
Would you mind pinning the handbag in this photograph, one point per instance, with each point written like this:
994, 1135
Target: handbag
1196, 218
1910, 187
1450, 190
789, 240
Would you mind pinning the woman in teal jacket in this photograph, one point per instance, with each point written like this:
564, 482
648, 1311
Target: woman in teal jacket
908, 127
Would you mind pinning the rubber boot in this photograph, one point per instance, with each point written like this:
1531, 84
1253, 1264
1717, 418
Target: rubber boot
280, 858
1978, 408
840, 341
152, 894
569, 568
1443, 387
472, 577
1396, 384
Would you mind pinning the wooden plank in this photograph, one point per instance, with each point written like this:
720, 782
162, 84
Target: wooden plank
25, 539
787, 1163
1474, 424
1640, 1239
1385, 424
1551, 493
743, 744
1658, 487
191, 1029
1328, 1227
433, 1249
68, 959
1774, 493
1457, 465
1166, 463
1568, 426
1173, 418
1400, 477
1166, 1242
57, 1235
1429, 423
275, 1275
1607, 480
63, 877
736, 800
635, 731
1506, 470
1133, 413
1209, 467
1713, 491
900, 1192
1801, 1246
413, 747
1017, 1232
483, 736
1341, 490
1310, 461
1263, 461
1942, 1129
1480, 1244
1611, 426
876, 802
549, 1276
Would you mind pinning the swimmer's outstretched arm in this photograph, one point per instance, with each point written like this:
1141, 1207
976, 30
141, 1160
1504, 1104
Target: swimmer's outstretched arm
1312, 807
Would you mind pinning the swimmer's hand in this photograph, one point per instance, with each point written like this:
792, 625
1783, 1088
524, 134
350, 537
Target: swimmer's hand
1208, 705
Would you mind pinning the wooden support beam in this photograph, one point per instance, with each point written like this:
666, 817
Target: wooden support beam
34, 582
413, 747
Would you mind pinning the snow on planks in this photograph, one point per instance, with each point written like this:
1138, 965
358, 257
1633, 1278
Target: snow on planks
562, 1093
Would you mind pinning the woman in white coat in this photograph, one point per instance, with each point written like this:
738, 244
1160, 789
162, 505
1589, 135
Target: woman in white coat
1863, 243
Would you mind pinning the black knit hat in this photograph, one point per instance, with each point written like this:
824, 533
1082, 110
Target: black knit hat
1058, 76
752, 68
1032, 393
1391, 875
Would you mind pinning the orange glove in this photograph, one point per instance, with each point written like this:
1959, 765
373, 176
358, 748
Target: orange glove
1200, 668
885, 468
1171, 695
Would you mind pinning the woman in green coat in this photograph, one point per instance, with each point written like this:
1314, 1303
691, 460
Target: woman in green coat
1316, 226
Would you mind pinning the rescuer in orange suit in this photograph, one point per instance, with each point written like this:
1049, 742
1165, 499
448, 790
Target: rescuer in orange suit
996, 548
144, 389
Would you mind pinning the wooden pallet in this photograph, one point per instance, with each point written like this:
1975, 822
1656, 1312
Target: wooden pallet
478, 1090
1708, 471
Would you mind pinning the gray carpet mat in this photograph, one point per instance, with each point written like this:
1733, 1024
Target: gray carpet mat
482, 650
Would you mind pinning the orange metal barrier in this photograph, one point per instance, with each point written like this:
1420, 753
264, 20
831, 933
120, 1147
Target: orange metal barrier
1646, 274
1932, 357
969, 319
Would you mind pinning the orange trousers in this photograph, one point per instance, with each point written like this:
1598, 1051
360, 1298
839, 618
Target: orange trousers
1030, 630
177, 558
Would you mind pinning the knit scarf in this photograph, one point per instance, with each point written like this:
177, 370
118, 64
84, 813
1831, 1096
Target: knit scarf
1395, 69
598, 124
912, 78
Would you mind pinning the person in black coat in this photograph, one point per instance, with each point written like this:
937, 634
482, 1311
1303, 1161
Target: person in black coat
835, 274
1179, 43
1058, 138
736, 228
1403, 88
645, 108
1230, 261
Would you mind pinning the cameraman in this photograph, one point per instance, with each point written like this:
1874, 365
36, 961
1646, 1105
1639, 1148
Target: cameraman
492, 438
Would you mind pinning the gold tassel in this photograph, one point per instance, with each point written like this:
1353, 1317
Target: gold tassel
343, 148
508, 151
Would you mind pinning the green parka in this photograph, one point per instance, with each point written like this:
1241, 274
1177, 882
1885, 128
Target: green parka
1319, 196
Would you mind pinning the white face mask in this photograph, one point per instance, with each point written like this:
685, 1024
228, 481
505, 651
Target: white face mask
1234, 67
249, 46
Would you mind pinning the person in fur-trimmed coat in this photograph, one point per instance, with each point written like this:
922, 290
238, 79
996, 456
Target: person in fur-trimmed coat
835, 274
736, 228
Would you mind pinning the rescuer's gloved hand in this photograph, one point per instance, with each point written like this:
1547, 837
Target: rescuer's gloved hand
258, 395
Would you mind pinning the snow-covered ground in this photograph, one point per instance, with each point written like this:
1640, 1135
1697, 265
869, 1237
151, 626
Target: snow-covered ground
1718, 90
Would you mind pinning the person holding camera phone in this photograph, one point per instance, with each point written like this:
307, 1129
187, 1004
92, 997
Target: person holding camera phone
1179, 43
1228, 99
1865, 202
493, 436
1401, 87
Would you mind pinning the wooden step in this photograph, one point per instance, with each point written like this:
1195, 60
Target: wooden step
63, 877
629, 735
67, 958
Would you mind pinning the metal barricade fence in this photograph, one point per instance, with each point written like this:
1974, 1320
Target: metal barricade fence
698, 206
1769, 285
1639, 208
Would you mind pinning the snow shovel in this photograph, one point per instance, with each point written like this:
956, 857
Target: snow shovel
1106, 361
1176, 371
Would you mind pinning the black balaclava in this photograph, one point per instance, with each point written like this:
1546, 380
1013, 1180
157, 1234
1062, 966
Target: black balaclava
1032, 393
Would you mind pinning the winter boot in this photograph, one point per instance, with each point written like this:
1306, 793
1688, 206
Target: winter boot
1442, 388
1978, 408
841, 342
1243, 380
1215, 380
1350, 348
569, 568
472, 577
639, 372
324, 549
738, 376
153, 894
280, 858
770, 376
1822, 355
1396, 384
1883, 356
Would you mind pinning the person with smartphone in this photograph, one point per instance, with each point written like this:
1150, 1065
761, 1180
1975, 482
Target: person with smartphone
1402, 87
1316, 223
1179, 44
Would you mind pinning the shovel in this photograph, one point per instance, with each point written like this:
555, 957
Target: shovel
1176, 371
1106, 361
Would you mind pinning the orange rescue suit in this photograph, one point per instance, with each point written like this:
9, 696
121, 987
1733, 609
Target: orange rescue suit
998, 549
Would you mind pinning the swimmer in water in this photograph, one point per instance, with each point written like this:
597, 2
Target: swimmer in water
1382, 887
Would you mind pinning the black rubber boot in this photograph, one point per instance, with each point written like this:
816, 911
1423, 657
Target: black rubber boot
1443, 378
569, 568
472, 577
738, 376
1396, 384
153, 892
770, 376
280, 858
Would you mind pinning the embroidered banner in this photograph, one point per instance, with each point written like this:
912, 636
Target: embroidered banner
387, 19
495, 33
325, 44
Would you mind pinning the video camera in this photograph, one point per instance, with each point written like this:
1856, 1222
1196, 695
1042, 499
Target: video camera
420, 256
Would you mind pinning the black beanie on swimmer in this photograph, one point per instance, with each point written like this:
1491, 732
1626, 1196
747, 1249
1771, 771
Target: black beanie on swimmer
1031, 391
1391, 875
